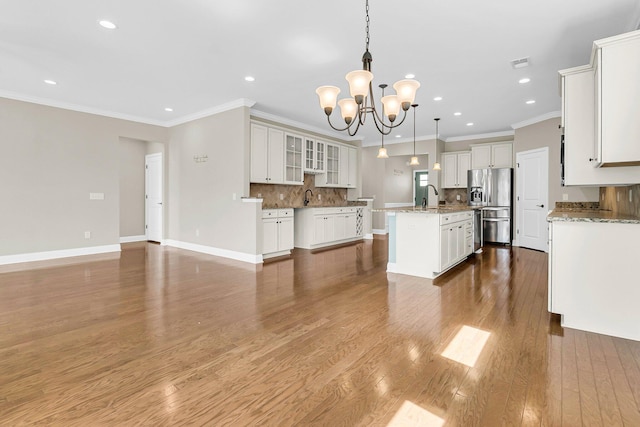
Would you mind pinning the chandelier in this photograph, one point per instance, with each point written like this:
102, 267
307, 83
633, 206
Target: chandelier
354, 110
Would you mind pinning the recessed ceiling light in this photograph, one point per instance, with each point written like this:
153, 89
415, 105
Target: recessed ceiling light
470, 124
524, 80
250, 78
457, 113
531, 101
398, 136
107, 24
168, 109
51, 82
410, 76
437, 98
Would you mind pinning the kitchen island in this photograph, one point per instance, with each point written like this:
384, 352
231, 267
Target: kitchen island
593, 281
426, 242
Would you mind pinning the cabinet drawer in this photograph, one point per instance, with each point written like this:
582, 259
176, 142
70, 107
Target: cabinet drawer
285, 213
455, 217
269, 213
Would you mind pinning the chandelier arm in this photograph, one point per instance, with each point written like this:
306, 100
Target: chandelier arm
339, 129
376, 119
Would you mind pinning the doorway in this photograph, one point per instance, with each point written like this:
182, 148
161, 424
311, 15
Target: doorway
532, 198
153, 197
420, 182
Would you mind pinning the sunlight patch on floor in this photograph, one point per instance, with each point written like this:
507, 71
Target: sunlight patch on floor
412, 415
466, 346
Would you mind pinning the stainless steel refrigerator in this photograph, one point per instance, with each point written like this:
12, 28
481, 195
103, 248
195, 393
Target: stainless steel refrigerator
492, 189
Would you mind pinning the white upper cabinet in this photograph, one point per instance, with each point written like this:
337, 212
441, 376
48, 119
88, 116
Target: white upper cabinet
578, 121
293, 159
314, 156
499, 155
267, 155
616, 61
348, 166
454, 169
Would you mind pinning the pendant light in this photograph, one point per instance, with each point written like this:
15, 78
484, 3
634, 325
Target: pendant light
382, 152
436, 165
414, 160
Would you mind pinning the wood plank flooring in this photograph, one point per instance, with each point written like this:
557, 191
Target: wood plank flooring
162, 336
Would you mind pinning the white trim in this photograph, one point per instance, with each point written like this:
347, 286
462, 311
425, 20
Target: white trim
302, 126
252, 199
534, 120
391, 267
242, 102
379, 231
398, 205
224, 253
79, 108
131, 239
368, 236
276, 254
63, 253
481, 136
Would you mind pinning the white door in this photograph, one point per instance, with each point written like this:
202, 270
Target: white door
532, 180
153, 197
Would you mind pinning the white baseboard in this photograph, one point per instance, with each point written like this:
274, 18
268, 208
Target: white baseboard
391, 267
224, 253
379, 231
64, 253
131, 239
368, 236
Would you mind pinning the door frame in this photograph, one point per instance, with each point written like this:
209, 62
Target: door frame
415, 173
146, 192
518, 206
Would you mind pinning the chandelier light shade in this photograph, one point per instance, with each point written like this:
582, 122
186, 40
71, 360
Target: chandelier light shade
436, 165
354, 110
414, 159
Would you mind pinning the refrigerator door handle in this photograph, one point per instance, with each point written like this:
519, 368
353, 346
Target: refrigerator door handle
495, 219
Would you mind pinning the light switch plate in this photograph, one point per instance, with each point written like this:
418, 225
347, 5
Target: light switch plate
96, 196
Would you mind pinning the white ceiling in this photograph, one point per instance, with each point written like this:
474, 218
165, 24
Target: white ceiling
193, 55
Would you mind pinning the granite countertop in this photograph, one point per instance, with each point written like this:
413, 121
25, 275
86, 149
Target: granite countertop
346, 204
590, 215
428, 210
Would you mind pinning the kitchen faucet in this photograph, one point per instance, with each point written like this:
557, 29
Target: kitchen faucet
306, 201
426, 194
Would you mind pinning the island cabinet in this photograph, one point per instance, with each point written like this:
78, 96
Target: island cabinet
593, 282
428, 243
320, 227
277, 232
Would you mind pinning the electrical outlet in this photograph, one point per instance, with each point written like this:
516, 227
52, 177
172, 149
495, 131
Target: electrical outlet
630, 195
319, 196
457, 197
259, 195
281, 196
565, 196
603, 197
87, 234
345, 197
617, 196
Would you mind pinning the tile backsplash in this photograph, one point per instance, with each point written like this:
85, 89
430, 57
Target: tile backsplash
293, 195
617, 199
450, 196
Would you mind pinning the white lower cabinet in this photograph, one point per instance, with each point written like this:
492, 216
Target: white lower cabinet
319, 227
428, 244
277, 232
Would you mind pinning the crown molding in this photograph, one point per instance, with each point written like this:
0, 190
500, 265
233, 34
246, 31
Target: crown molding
79, 108
481, 136
238, 103
534, 120
303, 126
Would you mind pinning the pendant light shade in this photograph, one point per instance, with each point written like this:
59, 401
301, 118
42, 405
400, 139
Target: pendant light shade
382, 152
414, 161
436, 166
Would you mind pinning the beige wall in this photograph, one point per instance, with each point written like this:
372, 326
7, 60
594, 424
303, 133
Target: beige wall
131, 162
203, 210
50, 160
547, 134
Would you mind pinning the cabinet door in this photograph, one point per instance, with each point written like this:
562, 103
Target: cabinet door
320, 153
276, 156
293, 159
259, 154
319, 229
344, 167
285, 234
464, 164
329, 228
353, 168
619, 111
269, 235
460, 241
449, 172
309, 154
481, 157
501, 156
453, 244
444, 247
350, 225
331, 178
339, 227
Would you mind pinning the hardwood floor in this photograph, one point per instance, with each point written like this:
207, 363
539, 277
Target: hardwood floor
162, 336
